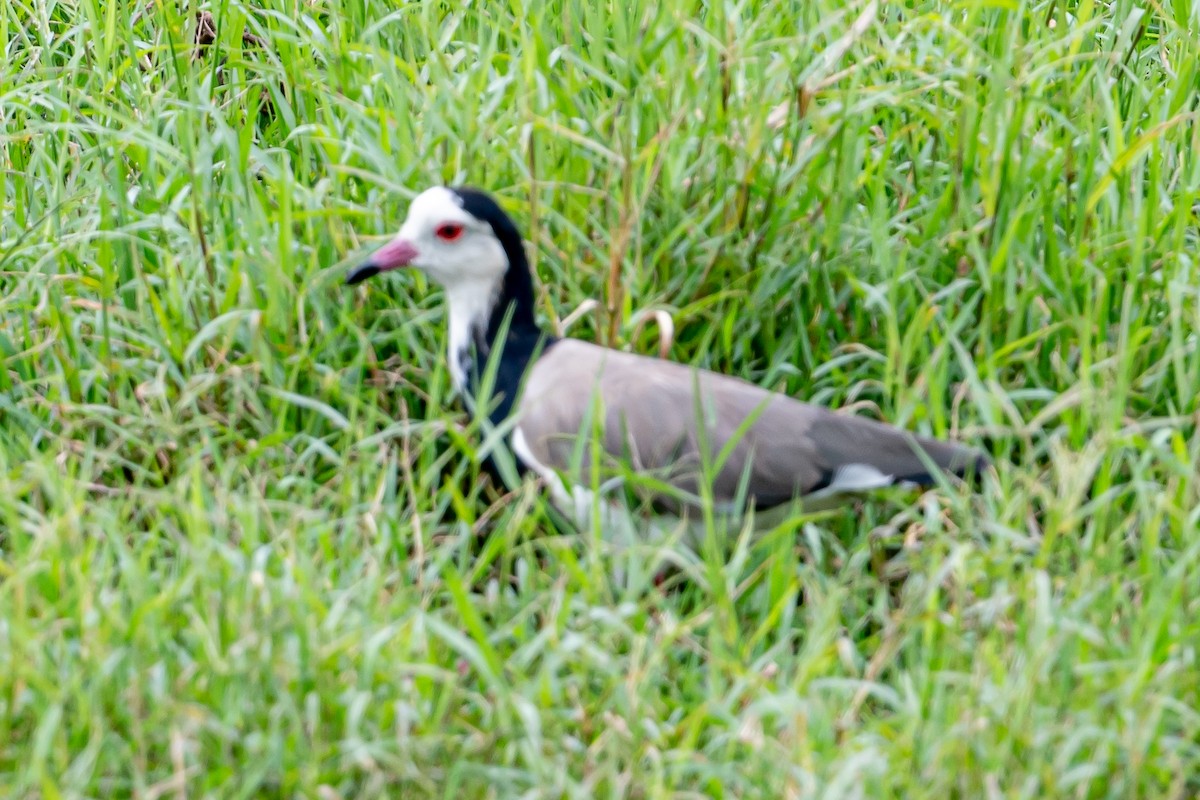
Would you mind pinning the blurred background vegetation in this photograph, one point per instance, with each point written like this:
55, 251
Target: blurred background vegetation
243, 548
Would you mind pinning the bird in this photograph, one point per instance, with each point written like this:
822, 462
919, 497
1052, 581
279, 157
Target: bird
568, 404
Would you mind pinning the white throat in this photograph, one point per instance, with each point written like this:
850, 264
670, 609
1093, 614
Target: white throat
471, 304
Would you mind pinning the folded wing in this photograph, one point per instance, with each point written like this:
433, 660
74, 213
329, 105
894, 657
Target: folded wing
668, 419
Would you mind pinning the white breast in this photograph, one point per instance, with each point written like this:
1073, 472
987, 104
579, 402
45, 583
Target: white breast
470, 305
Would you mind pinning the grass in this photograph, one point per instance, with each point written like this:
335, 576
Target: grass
244, 548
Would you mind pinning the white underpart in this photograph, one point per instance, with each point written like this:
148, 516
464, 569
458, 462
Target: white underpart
854, 478
576, 503
470, 306
641, 547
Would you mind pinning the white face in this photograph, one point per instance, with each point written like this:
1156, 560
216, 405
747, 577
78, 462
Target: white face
452, 247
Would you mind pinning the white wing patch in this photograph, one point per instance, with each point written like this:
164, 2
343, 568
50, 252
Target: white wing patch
855, 478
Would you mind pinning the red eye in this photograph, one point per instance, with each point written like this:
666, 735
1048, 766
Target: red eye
449, 231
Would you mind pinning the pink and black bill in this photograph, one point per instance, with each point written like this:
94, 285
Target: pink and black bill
395, 254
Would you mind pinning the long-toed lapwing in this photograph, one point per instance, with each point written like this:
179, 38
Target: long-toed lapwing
660, 417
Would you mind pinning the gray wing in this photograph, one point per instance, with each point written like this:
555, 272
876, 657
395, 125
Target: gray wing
667, 418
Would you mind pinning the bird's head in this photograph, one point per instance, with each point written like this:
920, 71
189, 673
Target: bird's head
456, 236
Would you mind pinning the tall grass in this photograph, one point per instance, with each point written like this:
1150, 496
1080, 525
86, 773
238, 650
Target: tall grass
244, 547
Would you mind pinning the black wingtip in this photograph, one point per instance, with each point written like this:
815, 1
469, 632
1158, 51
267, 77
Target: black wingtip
975, 469
970, 469
923, 480
823, 482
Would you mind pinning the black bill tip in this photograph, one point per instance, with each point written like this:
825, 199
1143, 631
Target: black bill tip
361, 273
